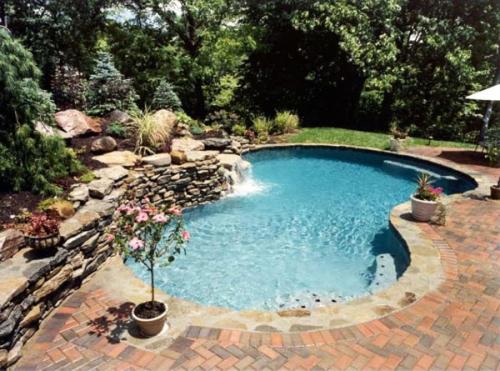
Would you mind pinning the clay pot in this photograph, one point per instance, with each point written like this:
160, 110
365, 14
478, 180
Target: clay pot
495, 192
42, 243
151, 326
422, 210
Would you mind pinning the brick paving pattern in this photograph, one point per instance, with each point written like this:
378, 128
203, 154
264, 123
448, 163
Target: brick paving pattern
456, 326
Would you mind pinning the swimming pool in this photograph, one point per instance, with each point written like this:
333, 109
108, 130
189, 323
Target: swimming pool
308, 227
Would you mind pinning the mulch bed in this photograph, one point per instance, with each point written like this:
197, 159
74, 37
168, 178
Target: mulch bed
14, 203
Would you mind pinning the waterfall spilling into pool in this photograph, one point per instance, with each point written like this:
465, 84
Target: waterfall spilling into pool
303, 227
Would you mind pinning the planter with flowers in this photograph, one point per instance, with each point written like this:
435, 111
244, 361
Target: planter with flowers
42, 231
151, 237
495, 190
424, 201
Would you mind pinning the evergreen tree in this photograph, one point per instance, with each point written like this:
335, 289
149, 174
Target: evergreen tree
166, 97
109, 89
28, 161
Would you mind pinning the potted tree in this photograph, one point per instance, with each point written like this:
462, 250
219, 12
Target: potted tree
424, 201
151, 237
42, 231
495, 190
398, 138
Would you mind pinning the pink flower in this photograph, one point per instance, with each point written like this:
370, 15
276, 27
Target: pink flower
124, 209
436, 191
136, 243
141, 217
110, 237
160, 218
185, 235
175, 211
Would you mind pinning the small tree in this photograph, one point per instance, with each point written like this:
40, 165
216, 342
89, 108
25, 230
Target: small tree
108, 89
150, 236
166, 97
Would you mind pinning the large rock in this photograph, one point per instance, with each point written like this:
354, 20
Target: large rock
63, 208
165, 120
11, 240
216, 143
114, 173
231, 161
83, 219
76, 123
103, 145
50, 131
178, 157
100, 187
54, 283
200, 155
122, 158
119, 117
79, 193
160, 159
186, 144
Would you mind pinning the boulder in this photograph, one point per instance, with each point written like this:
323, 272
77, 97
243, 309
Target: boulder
178, 157
76, 123
100, 187
160, 159
165, 120
11, 240
77, 223
50, 131
114, 173
79, 193
216, 143
230, 161
63, 208
122, 158
200, 155
119, 116
187, 144
103, 145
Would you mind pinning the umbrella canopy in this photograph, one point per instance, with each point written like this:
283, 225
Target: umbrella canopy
490, 94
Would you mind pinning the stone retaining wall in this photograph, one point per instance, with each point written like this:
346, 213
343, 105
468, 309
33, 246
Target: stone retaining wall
33, 283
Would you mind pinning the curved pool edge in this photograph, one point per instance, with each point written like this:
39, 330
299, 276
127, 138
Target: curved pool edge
431, 264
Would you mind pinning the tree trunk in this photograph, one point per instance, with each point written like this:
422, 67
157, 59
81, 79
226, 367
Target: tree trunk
385, 116
152, 285
489, 108
3, 16
199, 99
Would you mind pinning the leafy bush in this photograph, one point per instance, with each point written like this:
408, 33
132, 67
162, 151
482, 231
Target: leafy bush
42, 225
68, 88
87, 176
285, 122
150, 136
262, 127
195, 127
108, 89
238, 130
117, 130
223, 118
425, 191
28, 160
166, 97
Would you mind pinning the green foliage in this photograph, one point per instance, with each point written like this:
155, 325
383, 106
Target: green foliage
425, 190
238, 130
108, 89
226, 120
68, 88
87, 176
262, 127
28, 161
165, 97
117, 130
285, 122
150, 136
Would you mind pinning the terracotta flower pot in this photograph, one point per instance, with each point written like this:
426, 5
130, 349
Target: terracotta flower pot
41, 243
495, 192
150, 326
422, 210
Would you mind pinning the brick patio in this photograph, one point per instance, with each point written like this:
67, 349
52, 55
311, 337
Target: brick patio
457, 326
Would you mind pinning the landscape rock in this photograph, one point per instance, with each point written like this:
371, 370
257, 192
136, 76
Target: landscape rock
54, 283
119, 117
83, 219
294, 313
79, 193
50, 131
165, 120
63, 208
76, 123
216, 143
103, 145
11, 240
34, 314
178, 157
186, 144
121, 158
114, 173
101, 207
100, 187
78, 239
232, 161
159, 159
200, 155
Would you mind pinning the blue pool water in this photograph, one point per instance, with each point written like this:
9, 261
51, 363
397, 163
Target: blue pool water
305, 229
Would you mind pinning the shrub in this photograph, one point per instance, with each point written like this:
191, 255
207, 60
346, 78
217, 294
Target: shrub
165, 97
262, 127
68, 88
425, 191
150, 136
28, 160
117, 130
42, 225
87, 176
285, 122
238, 130
108, 89
225, 119
195, 127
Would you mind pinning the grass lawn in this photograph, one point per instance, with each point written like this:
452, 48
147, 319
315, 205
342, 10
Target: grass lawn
361, 138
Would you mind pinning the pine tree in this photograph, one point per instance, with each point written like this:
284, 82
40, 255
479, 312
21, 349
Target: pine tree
28, 161
108, 89
165, 97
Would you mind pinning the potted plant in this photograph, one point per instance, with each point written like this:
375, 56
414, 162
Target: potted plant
495, 190
42, 231
424, 201
151, 237
398, 138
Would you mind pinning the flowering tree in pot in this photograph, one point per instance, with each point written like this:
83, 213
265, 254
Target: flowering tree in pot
151, 237
424, 201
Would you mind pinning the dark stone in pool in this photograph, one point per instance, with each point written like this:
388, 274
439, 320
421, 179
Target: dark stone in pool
297, 299
334, 301
302, 306
317, 300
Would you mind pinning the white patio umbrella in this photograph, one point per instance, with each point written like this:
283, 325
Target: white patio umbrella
490, 94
